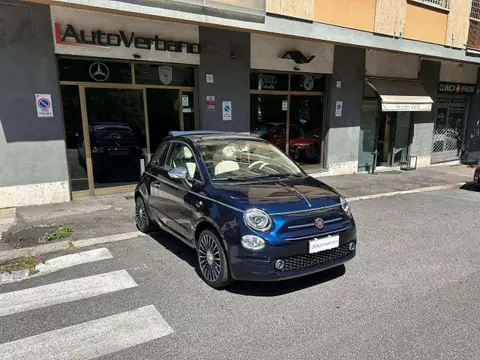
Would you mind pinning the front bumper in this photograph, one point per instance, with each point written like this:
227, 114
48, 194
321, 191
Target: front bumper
298, 262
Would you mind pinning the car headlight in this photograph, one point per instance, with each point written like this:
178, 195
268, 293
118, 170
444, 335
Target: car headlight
257, 220
346, 206
253, 242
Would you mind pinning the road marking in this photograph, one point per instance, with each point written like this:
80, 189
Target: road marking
91, 339
405, 192
65, 245
66, 261
58, 263
64, 291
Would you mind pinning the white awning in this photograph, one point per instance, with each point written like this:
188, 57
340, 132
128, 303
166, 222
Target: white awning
401, 95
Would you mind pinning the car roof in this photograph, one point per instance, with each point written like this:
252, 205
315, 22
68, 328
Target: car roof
201, 135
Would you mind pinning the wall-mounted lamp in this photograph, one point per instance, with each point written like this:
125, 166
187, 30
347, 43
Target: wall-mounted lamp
137, 56
232, 55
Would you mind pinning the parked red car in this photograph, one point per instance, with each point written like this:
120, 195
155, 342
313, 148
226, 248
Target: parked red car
476, 176
306, 147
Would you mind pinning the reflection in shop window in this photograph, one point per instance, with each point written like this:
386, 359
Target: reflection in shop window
96, 71
153, 74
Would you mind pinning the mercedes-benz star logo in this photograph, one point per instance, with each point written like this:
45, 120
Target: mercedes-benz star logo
99, 71
319, 223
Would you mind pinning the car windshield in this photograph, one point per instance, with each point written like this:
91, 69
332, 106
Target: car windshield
114, 133
245, 159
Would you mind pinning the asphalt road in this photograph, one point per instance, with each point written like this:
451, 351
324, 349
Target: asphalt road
411, 293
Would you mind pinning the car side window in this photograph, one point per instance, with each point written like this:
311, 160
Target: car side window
180, 155
159, 154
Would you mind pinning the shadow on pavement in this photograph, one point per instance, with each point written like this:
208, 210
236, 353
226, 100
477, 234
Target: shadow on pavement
469, 187
278, 288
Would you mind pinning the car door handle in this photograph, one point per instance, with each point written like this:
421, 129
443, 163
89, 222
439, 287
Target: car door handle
198, 204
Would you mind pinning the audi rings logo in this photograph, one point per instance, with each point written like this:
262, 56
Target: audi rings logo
99, 71
268, 79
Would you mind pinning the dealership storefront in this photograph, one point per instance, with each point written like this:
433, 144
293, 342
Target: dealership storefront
392, 94
288, 94
455, 89
121, 93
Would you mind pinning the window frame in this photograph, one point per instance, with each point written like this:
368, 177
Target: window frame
201, 180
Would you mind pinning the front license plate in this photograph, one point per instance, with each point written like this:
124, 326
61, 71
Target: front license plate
326, 243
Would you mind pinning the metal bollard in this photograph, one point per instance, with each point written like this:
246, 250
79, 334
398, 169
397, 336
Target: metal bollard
374, 165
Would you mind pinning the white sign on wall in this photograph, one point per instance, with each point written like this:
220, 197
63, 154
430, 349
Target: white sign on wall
91, 33
338, 108
266, 52
44, 105
284, 105
227, 110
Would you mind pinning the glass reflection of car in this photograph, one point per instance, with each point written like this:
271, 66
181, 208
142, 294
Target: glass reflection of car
306, 147
275, 133
250, 212
113, 147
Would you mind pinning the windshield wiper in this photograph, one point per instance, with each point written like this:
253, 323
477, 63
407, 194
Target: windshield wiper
231, 178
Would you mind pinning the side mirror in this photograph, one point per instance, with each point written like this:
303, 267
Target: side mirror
178, 173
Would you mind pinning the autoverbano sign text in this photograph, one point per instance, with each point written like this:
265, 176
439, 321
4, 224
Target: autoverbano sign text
456, 88
99, 38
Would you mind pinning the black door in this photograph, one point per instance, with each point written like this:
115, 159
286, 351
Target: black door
175, 200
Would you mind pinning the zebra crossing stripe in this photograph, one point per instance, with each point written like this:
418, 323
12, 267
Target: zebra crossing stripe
91, 339
64, 291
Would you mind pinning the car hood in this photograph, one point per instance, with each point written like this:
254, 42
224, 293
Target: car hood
303, 140
277, 196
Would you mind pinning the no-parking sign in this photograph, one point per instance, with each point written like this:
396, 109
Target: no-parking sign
44, 105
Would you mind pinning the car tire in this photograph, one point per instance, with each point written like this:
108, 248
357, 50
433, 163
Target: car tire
212, 260
142, 219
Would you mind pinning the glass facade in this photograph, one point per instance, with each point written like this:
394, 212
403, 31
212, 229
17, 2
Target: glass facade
127, 114
288, 111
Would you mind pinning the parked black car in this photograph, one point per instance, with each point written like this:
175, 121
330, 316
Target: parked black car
249, 211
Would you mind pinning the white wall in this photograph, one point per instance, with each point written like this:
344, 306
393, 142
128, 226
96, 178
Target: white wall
391, 65
266, 52
108, 23
458, 72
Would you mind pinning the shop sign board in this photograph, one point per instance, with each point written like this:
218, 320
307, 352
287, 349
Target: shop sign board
456, 88
89, 33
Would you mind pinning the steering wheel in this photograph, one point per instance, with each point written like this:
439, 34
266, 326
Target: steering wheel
262, 164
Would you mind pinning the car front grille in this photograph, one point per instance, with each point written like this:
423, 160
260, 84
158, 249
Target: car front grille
307, 260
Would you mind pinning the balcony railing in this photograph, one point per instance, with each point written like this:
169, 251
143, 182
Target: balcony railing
475, 13
244, 7
444, 4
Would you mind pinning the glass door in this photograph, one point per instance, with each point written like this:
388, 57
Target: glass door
116, 126
401, 139
368, 126
306, 113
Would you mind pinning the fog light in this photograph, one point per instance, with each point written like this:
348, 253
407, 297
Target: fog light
253, 242
279, 264
351, 246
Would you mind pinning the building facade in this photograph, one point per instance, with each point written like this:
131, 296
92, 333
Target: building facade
88, 92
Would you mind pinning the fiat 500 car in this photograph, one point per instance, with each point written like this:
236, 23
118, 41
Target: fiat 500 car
249, 211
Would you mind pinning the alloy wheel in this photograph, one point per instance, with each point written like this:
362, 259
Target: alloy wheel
140, 214
311, 152
209, 258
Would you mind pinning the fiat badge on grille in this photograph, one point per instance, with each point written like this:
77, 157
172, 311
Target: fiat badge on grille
319, 223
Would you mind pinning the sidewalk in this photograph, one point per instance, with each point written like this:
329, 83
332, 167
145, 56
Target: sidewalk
111, 215
398, 181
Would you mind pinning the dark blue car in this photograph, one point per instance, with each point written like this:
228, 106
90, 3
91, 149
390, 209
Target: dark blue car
250, 212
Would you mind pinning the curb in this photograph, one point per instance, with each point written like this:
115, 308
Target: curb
413, 191
64, 245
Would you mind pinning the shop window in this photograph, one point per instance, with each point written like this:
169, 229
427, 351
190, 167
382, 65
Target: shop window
117, 135
313, 83
94, 71
74, 138
151, 74
268, 81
